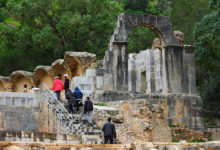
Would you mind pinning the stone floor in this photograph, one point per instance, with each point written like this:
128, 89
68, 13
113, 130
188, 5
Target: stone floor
214, 145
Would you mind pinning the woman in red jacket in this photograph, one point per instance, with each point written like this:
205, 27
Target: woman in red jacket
57, 87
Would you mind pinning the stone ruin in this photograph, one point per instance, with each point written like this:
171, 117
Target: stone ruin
164, 74
73, 64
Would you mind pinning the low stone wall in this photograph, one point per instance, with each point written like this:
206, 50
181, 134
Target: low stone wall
30, 136
19, 111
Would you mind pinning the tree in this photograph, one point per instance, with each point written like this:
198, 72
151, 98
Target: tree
185, 14
41, 31
140, 38
207, 41
135, 5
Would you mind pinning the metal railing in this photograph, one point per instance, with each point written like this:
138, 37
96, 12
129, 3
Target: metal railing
61, 113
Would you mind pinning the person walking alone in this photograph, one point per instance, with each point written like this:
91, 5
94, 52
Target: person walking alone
78, 96
88, 108
66, 83
57, 86
109, 131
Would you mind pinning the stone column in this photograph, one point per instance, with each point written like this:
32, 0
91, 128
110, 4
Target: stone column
120, 66
132, 73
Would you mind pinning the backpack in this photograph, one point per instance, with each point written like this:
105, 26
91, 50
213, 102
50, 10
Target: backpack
68, 94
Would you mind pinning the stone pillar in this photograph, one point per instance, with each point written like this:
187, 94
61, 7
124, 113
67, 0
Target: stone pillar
120, 65
158, 71
132, 73
180, 69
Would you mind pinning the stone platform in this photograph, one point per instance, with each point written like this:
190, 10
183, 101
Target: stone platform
215, 145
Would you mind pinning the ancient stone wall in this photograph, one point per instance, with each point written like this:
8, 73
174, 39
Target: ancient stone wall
180, 109
47, 119
19, 111
26, 112
97, 84
73, 64
136, 121
146, 74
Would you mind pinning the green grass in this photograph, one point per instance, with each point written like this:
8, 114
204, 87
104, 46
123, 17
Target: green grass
212, 124
196, 141
175, 140
101, 104
172, 126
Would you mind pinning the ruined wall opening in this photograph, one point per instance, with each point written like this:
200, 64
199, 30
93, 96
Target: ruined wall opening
2, 88
143, 82
18, 83
140, 38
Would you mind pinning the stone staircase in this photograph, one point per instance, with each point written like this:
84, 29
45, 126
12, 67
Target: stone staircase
73, 123
90, 134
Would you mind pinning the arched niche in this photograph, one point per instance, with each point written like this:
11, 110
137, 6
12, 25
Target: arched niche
42, 75
74, 66
19, 79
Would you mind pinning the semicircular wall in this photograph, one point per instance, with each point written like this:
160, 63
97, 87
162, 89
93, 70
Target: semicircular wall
42, 75
19, 79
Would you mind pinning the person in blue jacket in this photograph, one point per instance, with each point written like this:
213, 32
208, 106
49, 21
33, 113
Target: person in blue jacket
78, 96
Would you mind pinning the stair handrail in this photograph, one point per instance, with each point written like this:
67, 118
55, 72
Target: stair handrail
44, 89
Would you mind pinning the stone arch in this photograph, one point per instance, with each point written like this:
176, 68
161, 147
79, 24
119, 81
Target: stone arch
158, 24
42, 74
19, 78
116, 58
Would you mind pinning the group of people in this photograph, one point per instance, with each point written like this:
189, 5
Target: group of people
75, 99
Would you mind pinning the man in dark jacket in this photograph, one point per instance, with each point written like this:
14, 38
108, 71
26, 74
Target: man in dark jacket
109, 131
66, 83
70, 100
88, 108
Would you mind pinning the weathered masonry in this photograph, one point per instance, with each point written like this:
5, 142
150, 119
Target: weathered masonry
165, 73
73, 64
175, 62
